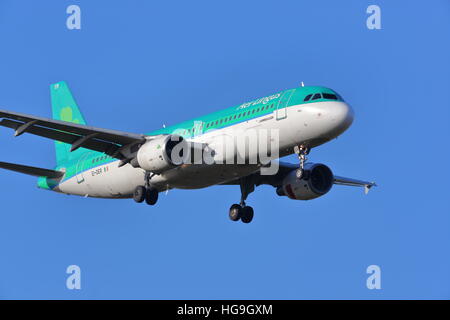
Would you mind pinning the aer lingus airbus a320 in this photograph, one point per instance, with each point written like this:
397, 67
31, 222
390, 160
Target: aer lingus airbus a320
103, 163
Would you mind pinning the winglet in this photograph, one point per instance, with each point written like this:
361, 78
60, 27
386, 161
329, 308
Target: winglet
368, 186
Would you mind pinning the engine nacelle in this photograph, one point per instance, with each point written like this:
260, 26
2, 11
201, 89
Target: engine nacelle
162, 153
316, 181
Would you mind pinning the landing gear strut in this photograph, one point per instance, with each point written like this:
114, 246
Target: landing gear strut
302, 151
147, 192
241, 211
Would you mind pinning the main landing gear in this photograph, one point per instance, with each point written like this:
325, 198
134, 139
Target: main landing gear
147, 192
241, 211
302, 151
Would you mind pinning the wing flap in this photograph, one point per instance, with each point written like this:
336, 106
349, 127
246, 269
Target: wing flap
33, 171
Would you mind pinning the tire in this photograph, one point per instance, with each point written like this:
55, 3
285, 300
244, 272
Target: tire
151, 196
247, 214
139, 194
235, 212
299, 173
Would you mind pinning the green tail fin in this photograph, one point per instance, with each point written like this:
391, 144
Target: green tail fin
65, 108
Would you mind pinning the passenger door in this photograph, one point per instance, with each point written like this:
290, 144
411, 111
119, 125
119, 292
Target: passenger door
283, 103
198, 128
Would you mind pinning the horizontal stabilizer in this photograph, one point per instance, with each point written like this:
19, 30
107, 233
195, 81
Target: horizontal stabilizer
33, 171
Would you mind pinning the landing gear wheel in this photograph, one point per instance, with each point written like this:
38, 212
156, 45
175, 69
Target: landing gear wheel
247, 214
139, 194
235, 212
241, 211
151, 196
299, 173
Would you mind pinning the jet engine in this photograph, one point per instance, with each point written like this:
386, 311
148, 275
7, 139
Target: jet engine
160, 154
317, 180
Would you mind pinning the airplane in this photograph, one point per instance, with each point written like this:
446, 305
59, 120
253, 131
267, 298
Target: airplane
104, 163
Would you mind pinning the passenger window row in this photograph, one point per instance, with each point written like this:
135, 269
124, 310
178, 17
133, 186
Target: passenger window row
228, 119
317, 96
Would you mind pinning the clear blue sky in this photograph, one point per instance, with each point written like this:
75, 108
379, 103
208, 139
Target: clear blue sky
138, 65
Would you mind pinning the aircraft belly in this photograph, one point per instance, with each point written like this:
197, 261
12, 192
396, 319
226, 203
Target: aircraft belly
202, 176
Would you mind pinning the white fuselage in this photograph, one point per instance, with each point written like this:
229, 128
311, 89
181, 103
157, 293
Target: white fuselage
312, 124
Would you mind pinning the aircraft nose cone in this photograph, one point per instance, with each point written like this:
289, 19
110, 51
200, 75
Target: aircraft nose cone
342, 114
339, 118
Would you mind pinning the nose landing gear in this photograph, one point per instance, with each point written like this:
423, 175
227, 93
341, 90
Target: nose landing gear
302, 151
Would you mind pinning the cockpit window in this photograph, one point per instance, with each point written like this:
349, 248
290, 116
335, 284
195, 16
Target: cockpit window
307, 97
329, 96
316, 96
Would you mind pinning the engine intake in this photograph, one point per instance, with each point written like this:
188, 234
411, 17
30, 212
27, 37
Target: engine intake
160, 154
317, 180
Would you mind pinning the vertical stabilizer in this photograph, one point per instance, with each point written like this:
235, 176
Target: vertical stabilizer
65, 108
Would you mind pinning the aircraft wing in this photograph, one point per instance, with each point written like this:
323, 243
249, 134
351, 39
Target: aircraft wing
354, 183
33, 171
110, 142
276, 180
